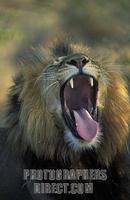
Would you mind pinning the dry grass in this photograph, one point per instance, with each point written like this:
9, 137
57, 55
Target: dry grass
6, 74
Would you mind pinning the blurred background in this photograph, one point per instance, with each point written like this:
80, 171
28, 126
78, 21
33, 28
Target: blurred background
101, 24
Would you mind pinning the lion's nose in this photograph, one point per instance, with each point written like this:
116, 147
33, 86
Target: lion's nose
78, 62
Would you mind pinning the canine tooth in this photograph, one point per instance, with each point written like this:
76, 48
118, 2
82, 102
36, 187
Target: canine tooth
72, 83
91, 81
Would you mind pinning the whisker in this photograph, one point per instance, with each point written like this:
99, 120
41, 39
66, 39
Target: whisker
46, 78
42, 78
48, 74
66, 68
51, 85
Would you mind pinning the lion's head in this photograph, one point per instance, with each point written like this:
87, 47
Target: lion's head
66, 103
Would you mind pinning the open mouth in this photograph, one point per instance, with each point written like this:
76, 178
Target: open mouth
78, 99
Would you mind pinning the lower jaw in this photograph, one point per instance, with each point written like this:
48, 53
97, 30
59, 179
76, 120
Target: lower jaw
75, 134
83, 140
80, 146
78, 138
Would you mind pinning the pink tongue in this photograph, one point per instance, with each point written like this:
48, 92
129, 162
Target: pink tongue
86, 127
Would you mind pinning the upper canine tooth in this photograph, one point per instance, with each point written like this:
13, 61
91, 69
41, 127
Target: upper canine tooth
71, 83
91, 81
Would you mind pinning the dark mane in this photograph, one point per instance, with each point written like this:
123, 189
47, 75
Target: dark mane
62, 48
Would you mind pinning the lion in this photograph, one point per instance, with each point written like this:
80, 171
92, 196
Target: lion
68, 110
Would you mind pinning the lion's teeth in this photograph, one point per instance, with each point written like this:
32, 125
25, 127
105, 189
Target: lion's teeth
71, 83
91, 81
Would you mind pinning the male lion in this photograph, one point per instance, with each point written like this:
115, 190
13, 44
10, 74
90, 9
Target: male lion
67, 111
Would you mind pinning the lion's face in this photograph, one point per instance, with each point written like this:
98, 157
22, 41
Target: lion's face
73, 88
68, 105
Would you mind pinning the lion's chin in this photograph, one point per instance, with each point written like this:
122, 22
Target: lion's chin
79, 145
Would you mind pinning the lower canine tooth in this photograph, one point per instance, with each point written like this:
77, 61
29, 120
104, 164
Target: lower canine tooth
71, 83
91, 82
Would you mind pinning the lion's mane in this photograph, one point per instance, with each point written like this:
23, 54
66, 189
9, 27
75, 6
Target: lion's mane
33, 126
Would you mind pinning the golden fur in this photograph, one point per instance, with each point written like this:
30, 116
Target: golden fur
38, 123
